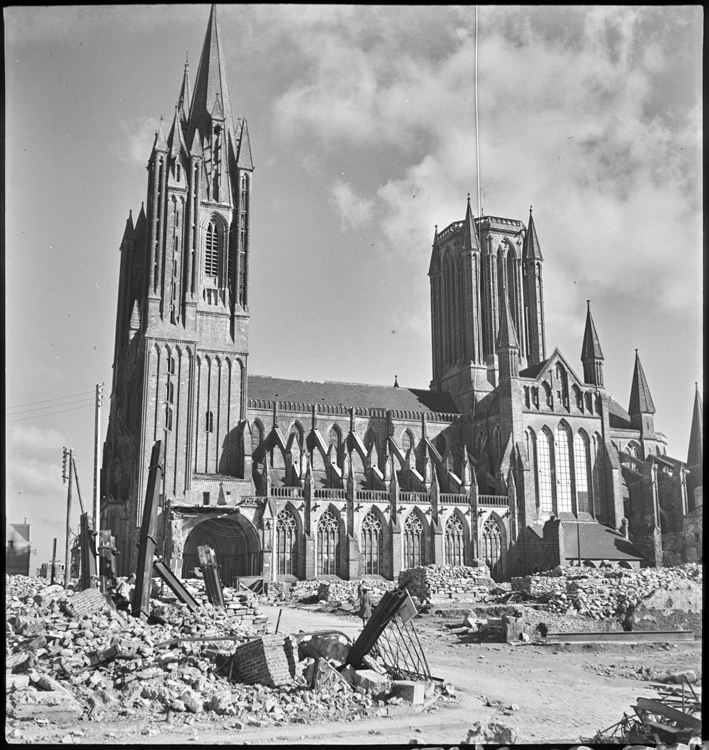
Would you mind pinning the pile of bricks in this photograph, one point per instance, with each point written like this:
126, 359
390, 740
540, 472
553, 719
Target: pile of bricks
106, 664
452, 581
242, 606
268, 660
602, 593
329, 591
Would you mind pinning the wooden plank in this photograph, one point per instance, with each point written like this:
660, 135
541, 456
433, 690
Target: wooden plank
622, 636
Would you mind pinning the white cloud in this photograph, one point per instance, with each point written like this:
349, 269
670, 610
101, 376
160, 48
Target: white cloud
564, 102
355, 211
139, 136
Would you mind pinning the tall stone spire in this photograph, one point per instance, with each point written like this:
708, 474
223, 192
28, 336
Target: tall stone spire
695, 454
470, 235
640, 398
533, 295
591, 354
183, 100
531, 249
211, 82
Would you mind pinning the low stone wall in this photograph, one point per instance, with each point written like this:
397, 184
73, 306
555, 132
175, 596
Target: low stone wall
428, 581
604, 593
331, 591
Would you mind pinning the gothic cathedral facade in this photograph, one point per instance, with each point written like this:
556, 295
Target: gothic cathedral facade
508, 457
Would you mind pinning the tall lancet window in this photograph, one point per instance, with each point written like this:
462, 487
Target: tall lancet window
328, 551
413, 542
211, 251
455, 541
243, 239
372, 544
286, 541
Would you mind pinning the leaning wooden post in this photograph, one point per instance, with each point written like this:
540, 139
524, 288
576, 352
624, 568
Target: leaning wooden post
67, 550
146, 546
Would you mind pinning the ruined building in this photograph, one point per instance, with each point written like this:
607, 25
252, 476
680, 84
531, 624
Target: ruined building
510, 456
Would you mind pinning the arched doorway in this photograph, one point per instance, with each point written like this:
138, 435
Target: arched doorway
235, 542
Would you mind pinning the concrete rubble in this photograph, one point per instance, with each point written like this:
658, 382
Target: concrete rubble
428, 582
616, 593
70, 656
106, 663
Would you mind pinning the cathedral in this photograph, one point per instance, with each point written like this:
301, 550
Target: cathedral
508, 457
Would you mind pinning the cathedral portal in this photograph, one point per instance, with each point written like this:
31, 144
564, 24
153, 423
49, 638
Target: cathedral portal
235, 542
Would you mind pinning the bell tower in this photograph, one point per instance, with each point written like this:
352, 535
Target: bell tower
181, 351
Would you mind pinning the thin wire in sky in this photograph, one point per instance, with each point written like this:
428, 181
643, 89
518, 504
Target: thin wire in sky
477, 125
48, 414
46, 401
56, 390
44, 408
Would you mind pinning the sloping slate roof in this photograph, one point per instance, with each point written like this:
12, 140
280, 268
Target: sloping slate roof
18, 532
533, 370
618, 417
598, 542
350, 394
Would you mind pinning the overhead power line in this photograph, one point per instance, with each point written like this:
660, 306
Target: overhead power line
42, 408
56, 390
48, 414
57, 398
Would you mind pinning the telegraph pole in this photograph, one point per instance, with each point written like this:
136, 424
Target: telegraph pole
97, 432
68, 454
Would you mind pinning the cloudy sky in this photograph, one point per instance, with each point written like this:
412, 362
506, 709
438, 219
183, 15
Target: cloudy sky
362, 130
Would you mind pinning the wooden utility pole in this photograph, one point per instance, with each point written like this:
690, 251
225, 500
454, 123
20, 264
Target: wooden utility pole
68, 516
54, 559
146, 548
97, 432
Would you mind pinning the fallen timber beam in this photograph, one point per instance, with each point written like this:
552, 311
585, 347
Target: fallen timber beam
175, 584
623, 636
147, 544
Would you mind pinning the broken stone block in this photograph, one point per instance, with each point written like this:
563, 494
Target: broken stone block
409, 690
328, 647
191, 701
372, 682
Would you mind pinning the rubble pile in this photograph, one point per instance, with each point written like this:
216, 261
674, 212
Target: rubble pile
329, 591
428, 581
603, 593
74, 654
104, 661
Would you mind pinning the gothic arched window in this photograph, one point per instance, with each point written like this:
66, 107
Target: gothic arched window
256, 435
441, 443
455, 541
286, 540
407, 441
563, 389
544, 453
599, 478
328, 544
492, 547
563, 469
581, 466
578, 396
413, 542
243, 239
372, 544
589, 402
335, 437
211, 251
370, 439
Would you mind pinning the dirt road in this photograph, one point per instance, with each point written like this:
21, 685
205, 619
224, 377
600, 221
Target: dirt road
558, 694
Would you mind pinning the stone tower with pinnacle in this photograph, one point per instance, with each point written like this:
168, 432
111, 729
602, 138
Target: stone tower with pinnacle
181, 349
